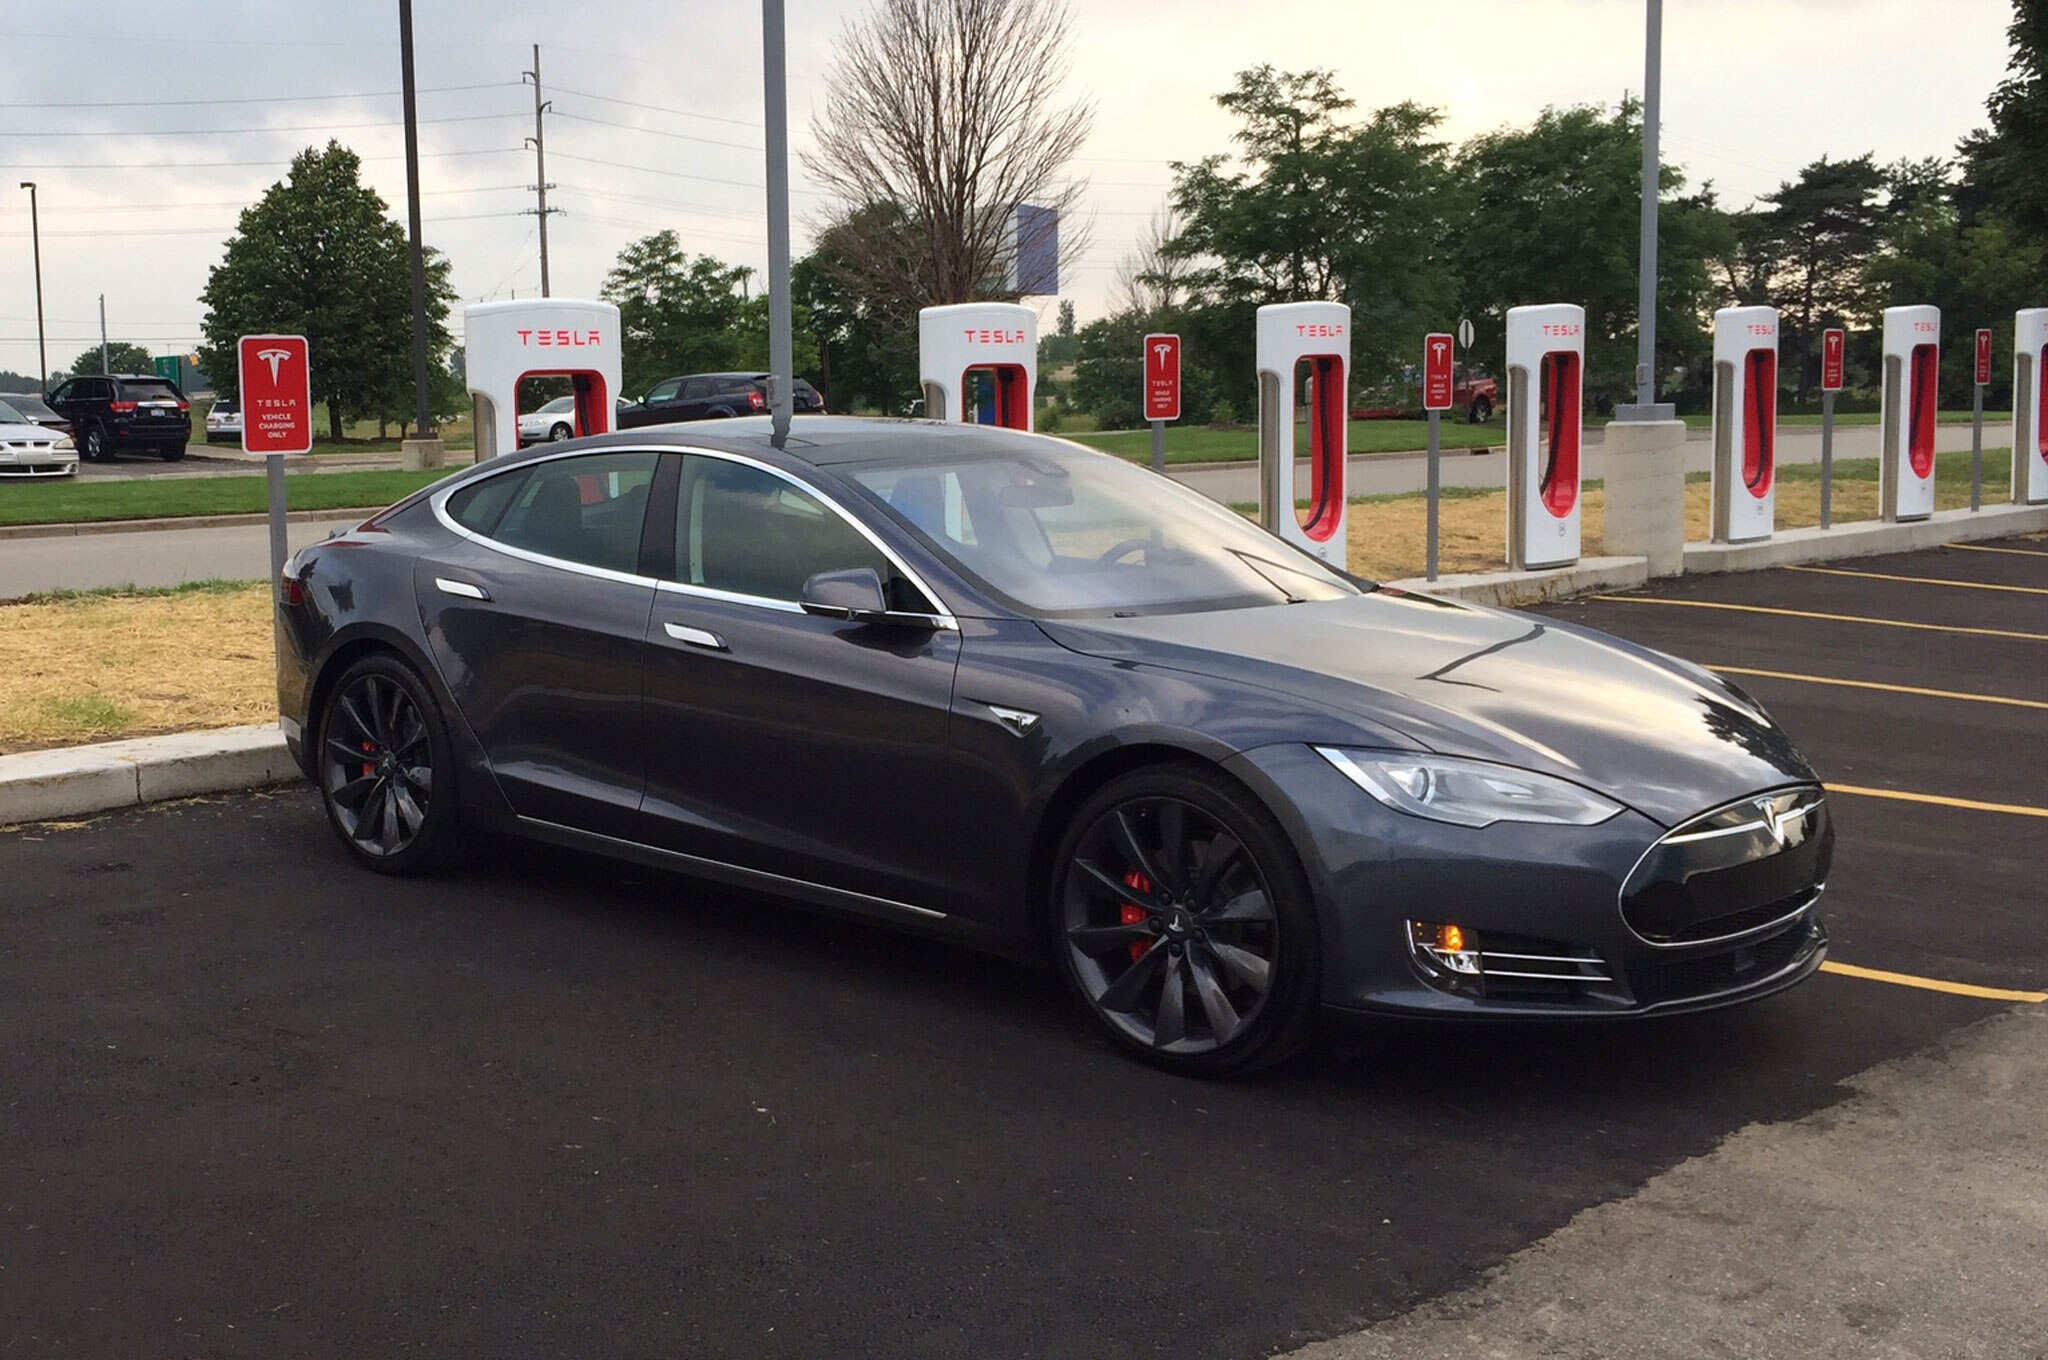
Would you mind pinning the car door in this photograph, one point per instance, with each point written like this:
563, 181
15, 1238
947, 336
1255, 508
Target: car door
537, 618
694, 401
811, 748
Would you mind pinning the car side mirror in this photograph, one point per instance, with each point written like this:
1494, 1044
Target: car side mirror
854, 593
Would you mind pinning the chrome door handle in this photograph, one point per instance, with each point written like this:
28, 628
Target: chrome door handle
695, 637
467, 590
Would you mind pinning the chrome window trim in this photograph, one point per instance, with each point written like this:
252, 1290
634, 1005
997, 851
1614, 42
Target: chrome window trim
438, 502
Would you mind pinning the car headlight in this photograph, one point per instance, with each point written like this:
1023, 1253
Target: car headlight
1468, 792
66, 445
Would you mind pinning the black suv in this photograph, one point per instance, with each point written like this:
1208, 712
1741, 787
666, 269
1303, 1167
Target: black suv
111, 413
712, 396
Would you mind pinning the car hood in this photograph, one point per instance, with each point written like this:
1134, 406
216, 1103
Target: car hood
19, 433
1664, 736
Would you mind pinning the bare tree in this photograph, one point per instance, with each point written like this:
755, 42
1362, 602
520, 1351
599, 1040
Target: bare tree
1148, 280
942, 117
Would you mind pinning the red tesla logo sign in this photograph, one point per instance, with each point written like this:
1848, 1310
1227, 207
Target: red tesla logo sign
1162, 377
1831, 360
277, 394
1436, 372
1983, 358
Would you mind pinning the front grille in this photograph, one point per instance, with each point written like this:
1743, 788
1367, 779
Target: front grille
1734, 869
1723, 971
1526, 968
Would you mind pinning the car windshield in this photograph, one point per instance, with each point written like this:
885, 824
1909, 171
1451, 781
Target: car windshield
557, 406
1059, 531
11, 416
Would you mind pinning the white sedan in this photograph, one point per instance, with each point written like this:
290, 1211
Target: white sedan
29, 450
556, 420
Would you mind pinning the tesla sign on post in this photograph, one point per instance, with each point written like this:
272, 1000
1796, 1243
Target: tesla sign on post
1983, 379
1162, 391
1437, 384
277, 417
1832, 344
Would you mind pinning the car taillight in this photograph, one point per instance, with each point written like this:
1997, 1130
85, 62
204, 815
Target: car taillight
757, 401
121, 407
289, 590
184, 406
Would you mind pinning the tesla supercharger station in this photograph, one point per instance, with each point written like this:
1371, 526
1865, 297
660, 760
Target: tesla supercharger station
504, 342
1546, 394
1912, 379
1745, 423
2030, 406
978, 362
1304, 358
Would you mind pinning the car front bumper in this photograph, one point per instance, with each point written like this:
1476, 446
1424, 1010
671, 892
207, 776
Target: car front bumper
1540, 906
29, 465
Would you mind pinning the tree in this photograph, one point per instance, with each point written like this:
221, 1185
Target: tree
941, 118
677, 314
1973, 273
122, 357
867, 353
1556, 218
2004, 171
1065, 327
1825, 226
320, 256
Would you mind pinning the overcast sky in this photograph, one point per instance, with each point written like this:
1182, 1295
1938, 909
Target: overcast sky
137, 197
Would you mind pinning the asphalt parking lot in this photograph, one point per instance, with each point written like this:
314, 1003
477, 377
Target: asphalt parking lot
259, 1103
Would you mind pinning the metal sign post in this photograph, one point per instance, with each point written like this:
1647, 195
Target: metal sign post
1437, 386
1831, 345
1983, 379
276, 387
1162, 391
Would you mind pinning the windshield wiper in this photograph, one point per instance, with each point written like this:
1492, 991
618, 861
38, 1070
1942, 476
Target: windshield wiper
1255, 562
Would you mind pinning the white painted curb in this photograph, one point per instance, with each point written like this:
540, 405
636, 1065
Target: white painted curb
41, 786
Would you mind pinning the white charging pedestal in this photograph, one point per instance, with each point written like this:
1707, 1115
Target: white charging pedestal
2030, 406
1745, 485
1912, 391
958, 343
1315, 337
1546, 357
505, 342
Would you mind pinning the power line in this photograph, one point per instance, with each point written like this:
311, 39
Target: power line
282, 127
252, 99
655, 108
672, 174
218, 165
215, 231
656, 132
92, 208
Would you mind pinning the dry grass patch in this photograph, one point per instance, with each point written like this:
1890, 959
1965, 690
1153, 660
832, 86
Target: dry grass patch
98, 667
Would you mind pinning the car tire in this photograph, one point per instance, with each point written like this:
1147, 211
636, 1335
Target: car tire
391, 814
1481, 411
559, 432
1214, 971
93, 448
171, 453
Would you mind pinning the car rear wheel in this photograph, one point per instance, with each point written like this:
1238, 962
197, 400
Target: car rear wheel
93, 448
1481, 410
387, 770
1184, 923
171, 453
558, 433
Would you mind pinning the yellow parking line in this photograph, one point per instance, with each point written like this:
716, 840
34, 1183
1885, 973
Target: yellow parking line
1831, 618
1888, 689
1939, 800
1984, 547
1933, 984
1923, 580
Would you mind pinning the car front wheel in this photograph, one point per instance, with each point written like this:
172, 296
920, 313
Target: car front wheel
1185, 924
93, 449
558, 433
171, 453
387, 770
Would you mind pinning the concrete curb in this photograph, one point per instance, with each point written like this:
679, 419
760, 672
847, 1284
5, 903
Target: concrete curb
41, 786
85, 528
1869, 538
1512, 589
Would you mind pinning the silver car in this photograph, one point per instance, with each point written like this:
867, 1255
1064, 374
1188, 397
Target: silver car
29, 450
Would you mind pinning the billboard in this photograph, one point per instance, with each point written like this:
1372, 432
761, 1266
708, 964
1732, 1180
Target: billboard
1035, 257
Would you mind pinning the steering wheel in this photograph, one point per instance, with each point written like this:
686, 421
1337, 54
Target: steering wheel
1121, 550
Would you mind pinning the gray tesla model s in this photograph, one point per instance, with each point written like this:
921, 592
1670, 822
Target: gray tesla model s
1033, 698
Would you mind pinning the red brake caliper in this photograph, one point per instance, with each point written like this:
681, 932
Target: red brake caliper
1130, 915
369, 748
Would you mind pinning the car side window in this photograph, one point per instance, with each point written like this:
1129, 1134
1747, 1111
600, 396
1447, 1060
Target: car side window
696, 389
588, 509
749, 532
479, 506
65, 391
662, 391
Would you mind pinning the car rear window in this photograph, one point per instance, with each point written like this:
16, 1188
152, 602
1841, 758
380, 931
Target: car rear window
479, 506
148, 390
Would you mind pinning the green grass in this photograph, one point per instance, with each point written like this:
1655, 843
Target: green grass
1204, 444
88, 715
152, 497
212, 585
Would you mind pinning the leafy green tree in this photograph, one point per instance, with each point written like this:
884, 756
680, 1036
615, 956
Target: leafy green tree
1825, 226
1973, 273
678, 314
866, 349
320, 256
1555, 217
1065, 327
2003, 168
122, 357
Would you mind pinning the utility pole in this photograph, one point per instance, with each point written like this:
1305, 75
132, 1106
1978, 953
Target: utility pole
538, 141
35, 232
781, 338
423, 427
105, 365
1645, 407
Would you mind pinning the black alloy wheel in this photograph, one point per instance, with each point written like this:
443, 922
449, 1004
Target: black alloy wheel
386, 770
1184, 923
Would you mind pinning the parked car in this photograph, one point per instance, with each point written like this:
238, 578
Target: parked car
31, 450
554, 421
114, 413
1473, 393
224, 423
1032, 698
713, 396
36, 411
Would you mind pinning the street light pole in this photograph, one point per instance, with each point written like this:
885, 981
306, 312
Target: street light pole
1646, 406
423, 424
781, 340
35, 232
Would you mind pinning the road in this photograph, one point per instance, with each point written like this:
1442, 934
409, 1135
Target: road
168, 557
261, 1103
